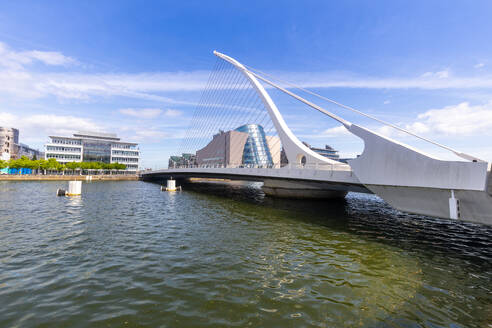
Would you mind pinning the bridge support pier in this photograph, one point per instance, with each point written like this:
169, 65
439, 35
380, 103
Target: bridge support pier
296, 189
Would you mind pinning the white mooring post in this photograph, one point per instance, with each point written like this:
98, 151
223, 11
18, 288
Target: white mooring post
171, 186
74, 188
454, 207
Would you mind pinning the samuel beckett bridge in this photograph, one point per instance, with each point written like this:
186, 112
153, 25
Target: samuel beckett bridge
238, 133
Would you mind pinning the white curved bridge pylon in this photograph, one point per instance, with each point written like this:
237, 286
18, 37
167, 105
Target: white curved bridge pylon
403, 176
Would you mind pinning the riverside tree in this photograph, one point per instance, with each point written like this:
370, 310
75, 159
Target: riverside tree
53, 165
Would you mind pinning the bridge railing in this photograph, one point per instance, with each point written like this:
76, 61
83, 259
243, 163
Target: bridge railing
315, 166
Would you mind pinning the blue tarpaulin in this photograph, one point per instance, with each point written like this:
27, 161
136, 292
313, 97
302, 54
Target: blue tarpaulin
20, 171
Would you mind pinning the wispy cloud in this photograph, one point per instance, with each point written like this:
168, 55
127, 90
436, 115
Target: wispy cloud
172, 113
17, 80
428, 80
444, 74
147, 113
141, 113
18, 60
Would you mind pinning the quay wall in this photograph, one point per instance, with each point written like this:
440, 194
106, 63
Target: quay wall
102, 177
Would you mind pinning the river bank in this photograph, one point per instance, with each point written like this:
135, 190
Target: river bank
35, 177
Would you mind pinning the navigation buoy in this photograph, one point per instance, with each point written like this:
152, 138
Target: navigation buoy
74, 188
171, 186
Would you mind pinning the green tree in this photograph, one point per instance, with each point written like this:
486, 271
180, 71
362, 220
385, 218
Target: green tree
3, 164
52, 164
43, 165
14, 164
60, 167
72, 165
26, 162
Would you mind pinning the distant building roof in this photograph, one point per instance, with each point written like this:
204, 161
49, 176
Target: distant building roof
101, 135
96, 135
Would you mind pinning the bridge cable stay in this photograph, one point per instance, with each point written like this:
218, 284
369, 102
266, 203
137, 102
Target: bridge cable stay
257, 73
227, 103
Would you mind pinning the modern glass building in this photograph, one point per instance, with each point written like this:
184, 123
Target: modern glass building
93, 147
246, 145
256, 150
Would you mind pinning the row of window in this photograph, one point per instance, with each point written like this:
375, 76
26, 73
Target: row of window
63, 156
66, 141
121, 146
71, 149
125, 160
125, 153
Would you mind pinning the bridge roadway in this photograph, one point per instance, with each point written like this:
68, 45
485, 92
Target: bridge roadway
309, 181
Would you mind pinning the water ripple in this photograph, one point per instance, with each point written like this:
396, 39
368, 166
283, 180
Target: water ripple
126, 253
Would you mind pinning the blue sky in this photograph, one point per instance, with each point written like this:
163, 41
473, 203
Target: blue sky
138, 68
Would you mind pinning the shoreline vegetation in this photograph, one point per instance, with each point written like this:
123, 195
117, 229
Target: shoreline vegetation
52, 167
60, 177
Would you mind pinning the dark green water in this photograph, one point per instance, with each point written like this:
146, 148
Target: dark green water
126, 254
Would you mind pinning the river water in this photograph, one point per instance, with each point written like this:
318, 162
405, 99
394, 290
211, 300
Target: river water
127, 254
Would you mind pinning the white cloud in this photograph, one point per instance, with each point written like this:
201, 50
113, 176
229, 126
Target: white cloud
386, 102
13, 60
150, 135
336, 132
141, 113
479, 65
427, 81
458, 120
77, 86
147, 113
49, 57
36, 128
173, 113
444, 74
17, 81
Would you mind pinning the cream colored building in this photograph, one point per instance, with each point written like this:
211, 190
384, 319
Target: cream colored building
246, 145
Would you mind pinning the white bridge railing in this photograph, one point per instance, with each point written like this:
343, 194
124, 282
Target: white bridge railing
315, 166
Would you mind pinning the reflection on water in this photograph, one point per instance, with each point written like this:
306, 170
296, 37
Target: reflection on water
215, 255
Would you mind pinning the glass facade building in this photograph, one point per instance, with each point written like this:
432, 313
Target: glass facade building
97, 151
256, 150
246, 145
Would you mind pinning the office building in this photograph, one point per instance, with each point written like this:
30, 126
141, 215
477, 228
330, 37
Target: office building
25, 150
9, 143
93, 147
184, 160
327, 152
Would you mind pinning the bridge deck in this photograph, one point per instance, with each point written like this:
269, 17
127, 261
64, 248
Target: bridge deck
337, 177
